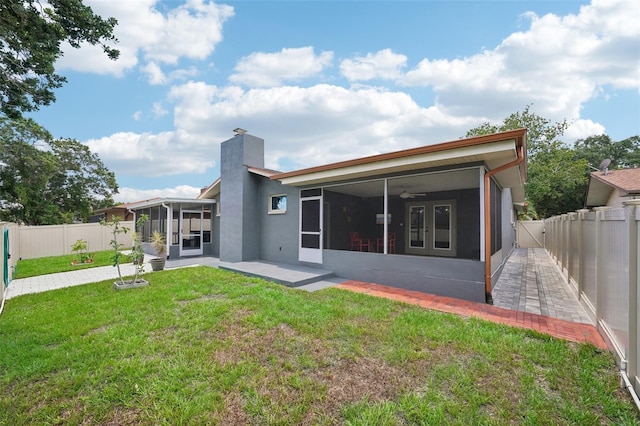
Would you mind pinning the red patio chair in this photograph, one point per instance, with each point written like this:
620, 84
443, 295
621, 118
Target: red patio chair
391, 243
359, 243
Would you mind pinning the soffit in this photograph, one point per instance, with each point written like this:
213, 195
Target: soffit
597, 193
493, 154
211, 191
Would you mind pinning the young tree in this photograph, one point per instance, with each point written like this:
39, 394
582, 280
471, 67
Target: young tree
556, 180
31, 33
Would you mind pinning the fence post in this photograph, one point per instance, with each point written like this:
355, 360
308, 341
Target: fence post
632, 212
564, 249
600, 279
571, 266
580, 273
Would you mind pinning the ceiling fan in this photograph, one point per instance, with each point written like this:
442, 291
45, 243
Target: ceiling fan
405, 194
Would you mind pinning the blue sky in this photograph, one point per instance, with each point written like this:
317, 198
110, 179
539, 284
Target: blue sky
325, 81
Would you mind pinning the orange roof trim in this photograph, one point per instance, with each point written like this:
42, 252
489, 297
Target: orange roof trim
518, 135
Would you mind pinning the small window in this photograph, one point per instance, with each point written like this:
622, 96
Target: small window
277, 204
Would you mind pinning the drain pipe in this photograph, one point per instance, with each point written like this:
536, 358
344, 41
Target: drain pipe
487, 219
630, 388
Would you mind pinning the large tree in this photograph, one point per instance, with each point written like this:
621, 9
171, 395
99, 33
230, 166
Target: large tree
556, 180
31, 34
46, 181
595, 149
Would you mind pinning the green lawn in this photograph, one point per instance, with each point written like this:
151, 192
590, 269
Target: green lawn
49, 265
205, 346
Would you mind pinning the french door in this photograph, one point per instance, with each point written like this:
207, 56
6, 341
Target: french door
431, 228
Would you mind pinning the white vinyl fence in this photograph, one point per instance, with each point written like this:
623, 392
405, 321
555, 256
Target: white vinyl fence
31, 242
598, 253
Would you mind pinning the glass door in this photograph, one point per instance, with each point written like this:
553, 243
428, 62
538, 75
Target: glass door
443, 225
416, 228
191, 233
431, 228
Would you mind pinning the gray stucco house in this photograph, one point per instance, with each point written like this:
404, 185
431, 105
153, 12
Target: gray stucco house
438, 218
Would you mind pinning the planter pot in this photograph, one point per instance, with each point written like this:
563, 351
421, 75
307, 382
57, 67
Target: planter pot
157, 263
130, 284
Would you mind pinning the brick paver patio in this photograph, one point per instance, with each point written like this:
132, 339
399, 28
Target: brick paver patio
563, 329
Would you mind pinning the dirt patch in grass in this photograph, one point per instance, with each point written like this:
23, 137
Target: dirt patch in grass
121, 416
234, 413
298, 372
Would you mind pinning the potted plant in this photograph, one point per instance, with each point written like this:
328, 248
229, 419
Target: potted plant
136, 253
159, 246
82, 255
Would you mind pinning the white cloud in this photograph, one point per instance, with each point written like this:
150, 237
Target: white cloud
191, 30
137, 115
163, 154
158, 110
128, 195
580, 129
315, 125
154, 74
558, 64
383, 64
272, 69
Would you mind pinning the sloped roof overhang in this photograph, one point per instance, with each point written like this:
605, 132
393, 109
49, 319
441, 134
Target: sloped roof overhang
160, 201
625, 181
493, 150
210, 191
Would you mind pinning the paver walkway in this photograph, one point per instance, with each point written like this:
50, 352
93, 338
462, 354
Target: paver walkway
532, 282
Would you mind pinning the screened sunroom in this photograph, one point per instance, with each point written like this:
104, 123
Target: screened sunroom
424, 214
186, 224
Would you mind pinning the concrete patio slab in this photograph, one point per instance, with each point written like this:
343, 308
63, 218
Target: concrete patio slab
289, 275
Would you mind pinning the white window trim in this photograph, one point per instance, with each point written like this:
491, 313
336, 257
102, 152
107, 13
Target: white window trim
270, 203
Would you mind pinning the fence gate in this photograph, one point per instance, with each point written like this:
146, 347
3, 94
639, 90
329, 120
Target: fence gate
530, 234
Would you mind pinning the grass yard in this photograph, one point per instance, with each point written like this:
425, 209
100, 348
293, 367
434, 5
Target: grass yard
205, 346
49, 265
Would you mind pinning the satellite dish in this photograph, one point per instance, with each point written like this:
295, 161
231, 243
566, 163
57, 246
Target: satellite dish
405, 194
604, 165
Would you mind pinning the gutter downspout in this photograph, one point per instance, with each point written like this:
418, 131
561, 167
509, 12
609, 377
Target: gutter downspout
487, 219
166, 238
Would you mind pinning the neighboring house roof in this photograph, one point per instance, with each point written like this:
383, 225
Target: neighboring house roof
124, 206
494, 150
159, 201
210, 191
625, 181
